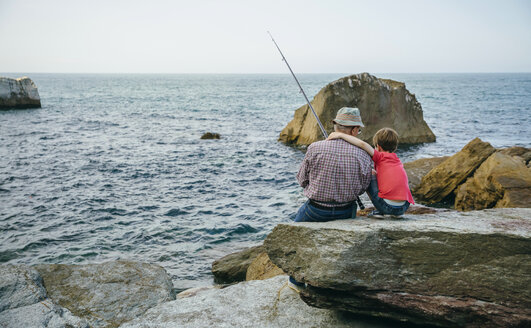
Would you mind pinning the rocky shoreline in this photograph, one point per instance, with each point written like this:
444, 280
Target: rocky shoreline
447, 269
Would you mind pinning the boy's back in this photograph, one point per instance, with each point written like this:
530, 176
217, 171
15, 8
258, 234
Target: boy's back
392, 178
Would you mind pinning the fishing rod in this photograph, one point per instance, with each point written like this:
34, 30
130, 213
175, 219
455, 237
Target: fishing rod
358, 200
300, 87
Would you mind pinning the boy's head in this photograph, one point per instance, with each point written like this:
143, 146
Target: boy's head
386, 138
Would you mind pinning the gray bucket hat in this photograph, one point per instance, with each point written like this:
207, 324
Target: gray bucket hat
348, 116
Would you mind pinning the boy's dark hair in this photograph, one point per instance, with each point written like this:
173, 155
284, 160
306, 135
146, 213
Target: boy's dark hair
386, 138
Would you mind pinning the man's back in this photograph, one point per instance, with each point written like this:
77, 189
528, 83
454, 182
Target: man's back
334, 171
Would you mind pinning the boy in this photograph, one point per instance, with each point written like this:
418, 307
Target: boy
389, 190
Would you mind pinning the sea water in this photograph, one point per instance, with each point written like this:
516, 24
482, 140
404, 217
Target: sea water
113, 167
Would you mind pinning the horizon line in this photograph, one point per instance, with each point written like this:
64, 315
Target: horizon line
256, 73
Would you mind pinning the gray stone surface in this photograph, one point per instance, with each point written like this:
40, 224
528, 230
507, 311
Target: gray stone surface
450, 268
20, 285
107, 294
41, 314
258, 303
23, 301
18, 93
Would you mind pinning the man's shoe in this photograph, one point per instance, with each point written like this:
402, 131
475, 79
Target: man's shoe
376, 215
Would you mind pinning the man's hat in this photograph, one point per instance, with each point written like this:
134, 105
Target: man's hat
348, 116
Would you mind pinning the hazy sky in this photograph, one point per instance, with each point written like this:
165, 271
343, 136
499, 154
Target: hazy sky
230, 36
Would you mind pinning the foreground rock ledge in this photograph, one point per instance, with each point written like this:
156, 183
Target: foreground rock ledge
451, 269
258, 303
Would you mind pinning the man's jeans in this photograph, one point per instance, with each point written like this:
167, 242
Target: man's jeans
380, 204
310, 213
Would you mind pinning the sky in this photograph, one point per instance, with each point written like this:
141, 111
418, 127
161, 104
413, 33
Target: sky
230, 36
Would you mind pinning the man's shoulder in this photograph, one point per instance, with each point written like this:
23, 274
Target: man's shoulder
323, 146
318, 144
336, 145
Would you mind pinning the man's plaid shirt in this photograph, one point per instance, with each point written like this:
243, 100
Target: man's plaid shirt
334, 171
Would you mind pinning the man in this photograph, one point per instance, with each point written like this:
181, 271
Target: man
334, 173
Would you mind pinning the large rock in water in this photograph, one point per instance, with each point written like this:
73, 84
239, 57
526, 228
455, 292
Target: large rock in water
109, 293
18, 93
382, 103
452, 269
442, 180
501, 181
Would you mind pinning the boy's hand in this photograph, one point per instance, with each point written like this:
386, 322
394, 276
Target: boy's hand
334, 135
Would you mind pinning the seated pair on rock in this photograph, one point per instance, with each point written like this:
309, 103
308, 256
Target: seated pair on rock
333, 173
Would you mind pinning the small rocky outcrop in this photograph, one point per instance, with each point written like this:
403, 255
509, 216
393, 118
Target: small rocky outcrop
210, 135
18, 93
233, 267
382, 103
452, 269
256, 303
442, 180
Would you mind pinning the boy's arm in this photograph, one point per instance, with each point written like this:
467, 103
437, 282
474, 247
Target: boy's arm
353, 140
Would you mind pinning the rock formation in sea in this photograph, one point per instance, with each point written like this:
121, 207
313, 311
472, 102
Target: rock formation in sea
452, 269
478, 177
210, 135
382, 103
18, 93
